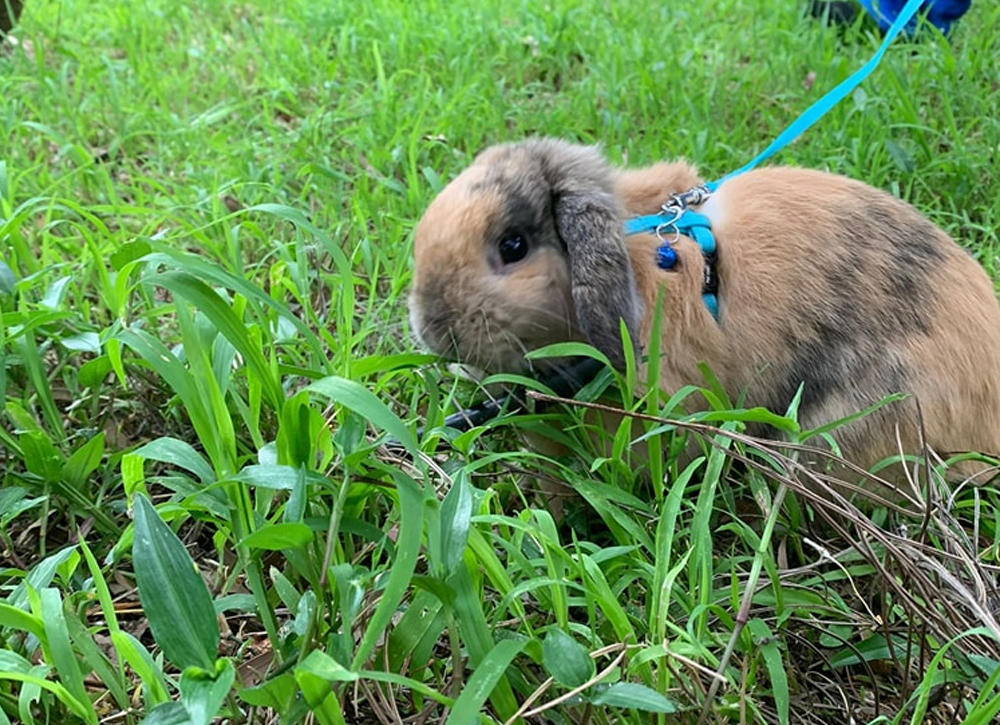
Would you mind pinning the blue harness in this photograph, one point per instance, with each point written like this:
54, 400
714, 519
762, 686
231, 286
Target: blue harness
676, 217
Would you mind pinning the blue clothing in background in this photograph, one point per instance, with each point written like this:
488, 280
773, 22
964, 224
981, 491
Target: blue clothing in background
941, 13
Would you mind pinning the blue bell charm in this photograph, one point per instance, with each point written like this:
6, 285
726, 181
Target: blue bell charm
666, 256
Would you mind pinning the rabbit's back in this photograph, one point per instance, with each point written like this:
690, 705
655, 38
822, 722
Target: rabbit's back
831, 285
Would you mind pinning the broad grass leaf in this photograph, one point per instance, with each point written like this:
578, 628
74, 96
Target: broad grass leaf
271, 476
173, 595
374, 364
40, 576
701, 570
41, 457
362, 401
322, 665
129, 252
176, 374
169, 713
19, 415
666, 569
609, 601
178, 453
748, 415
55, 294
841, 422
776, 670
477, 636
294, 439
900, 156
408, 539
218, 310
206, 397
984, 664
242, 603
22, 621
285, 590
113, 675
94, 659
82, 342
208, 270
196, 388
937, 674
984, 713
614, 506
275, 537
566, 659
984, 710
13, 663
874, 648
350, 597
84, 461
305, 612
8, 280
406, 682
278, 693
456, 516
349, 437
481, 684
132, 651
35, 320
433, 585
203, 693
632, 696
484, 545
568, 349
15, 667
422, 622
162, 360
58, 648
555, 565
14, 501
314, 675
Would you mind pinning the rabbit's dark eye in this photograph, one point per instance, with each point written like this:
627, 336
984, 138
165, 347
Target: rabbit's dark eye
513, 249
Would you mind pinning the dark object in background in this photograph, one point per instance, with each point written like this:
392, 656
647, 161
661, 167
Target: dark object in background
10, 10
835, 12
942, 14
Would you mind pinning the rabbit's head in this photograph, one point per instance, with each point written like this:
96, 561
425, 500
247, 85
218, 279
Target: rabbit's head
524, 249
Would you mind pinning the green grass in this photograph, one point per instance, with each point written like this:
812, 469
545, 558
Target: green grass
205, 221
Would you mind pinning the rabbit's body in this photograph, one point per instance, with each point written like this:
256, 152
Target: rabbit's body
823, 282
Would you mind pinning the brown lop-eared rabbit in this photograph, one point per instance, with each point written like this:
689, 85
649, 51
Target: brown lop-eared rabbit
823, 282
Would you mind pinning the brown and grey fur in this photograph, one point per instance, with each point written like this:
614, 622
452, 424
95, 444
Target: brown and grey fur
824, 282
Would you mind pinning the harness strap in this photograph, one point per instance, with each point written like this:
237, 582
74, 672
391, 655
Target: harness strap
677, 219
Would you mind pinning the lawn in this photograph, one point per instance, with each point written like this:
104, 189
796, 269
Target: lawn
206, 214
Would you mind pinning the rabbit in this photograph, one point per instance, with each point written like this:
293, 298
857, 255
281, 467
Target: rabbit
824, 283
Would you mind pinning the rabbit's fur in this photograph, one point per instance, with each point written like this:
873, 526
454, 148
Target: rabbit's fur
824, 282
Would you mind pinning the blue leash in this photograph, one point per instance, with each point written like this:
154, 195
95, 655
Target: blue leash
676, 218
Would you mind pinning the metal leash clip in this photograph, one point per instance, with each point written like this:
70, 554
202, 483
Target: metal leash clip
674, 209
692, 197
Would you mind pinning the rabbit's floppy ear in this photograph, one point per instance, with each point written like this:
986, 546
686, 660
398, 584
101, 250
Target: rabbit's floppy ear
589, 225
574, 187
603, 284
